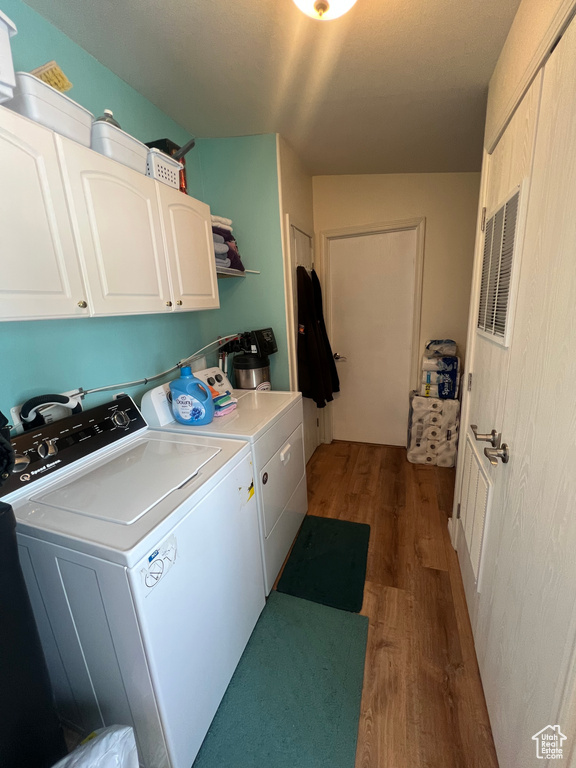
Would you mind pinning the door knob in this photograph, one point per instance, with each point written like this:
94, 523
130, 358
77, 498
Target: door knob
340, 357
494, 454
492, 437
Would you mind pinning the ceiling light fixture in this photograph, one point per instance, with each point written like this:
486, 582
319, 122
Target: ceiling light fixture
324, 10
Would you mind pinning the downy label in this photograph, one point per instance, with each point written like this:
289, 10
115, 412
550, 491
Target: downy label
188, 408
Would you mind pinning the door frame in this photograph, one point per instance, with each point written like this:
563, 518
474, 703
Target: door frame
453, 526
324, 239
289, 294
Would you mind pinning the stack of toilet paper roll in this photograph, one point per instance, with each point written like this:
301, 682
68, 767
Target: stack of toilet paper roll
440, 370
433, 430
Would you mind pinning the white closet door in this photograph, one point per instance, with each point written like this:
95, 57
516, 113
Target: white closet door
188, 235
118, 230
508, 168
40, 272
527, 612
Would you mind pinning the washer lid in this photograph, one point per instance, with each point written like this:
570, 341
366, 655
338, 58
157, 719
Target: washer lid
133, 481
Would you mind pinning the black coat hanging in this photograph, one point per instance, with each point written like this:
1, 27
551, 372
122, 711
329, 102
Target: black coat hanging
315, 376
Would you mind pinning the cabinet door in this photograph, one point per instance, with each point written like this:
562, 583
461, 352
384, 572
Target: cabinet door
117, 226
188, 235
40, 272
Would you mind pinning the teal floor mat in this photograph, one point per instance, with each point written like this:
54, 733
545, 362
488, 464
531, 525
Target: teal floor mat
294, 700
328, 563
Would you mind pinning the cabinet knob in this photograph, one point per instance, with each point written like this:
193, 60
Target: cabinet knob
82, 304
168, 303
179, 302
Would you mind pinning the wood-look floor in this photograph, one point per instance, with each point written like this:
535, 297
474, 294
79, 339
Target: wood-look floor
422, 703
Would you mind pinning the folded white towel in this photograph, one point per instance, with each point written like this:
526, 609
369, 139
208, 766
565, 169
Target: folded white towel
220, 249
223, 262
221, 221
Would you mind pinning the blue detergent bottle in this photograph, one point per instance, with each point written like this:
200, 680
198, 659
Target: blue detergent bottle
191, 399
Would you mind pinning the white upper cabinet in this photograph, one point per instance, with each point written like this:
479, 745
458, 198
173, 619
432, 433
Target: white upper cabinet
118, 233
188, 234
81, 234
40, 274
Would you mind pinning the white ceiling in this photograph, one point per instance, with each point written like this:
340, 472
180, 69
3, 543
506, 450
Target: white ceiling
395, 86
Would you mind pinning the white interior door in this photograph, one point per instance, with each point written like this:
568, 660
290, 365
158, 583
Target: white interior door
301, 254
373, 286
525, 627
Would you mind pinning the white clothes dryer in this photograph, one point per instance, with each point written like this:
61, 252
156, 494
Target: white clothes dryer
272, 423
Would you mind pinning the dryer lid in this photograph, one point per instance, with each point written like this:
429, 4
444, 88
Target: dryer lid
131, 482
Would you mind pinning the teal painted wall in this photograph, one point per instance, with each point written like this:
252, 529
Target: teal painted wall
59, 355
240, 180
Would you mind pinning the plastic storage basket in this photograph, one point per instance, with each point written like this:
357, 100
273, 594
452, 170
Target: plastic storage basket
162, 167
115, 143
37, 100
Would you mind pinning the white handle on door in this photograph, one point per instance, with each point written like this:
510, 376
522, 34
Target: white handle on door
285, 454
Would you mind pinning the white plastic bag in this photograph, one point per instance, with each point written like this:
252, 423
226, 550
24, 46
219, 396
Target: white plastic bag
112, 747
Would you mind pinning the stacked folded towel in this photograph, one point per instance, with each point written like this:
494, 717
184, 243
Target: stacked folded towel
224, 403
225, 248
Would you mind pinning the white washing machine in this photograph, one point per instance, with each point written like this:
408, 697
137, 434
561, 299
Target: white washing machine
142, 558
272, 423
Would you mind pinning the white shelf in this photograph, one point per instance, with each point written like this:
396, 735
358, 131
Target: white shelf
227, 272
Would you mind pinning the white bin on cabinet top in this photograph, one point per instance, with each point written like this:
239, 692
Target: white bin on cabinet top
115, 143
40, 102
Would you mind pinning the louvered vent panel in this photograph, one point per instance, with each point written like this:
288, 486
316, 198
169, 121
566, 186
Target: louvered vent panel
497, 265
494, 270
489, 229
505, 274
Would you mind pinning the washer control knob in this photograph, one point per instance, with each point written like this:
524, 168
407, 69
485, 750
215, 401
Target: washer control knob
120, 419
21, 461
210, 381
47, 448
218, 378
